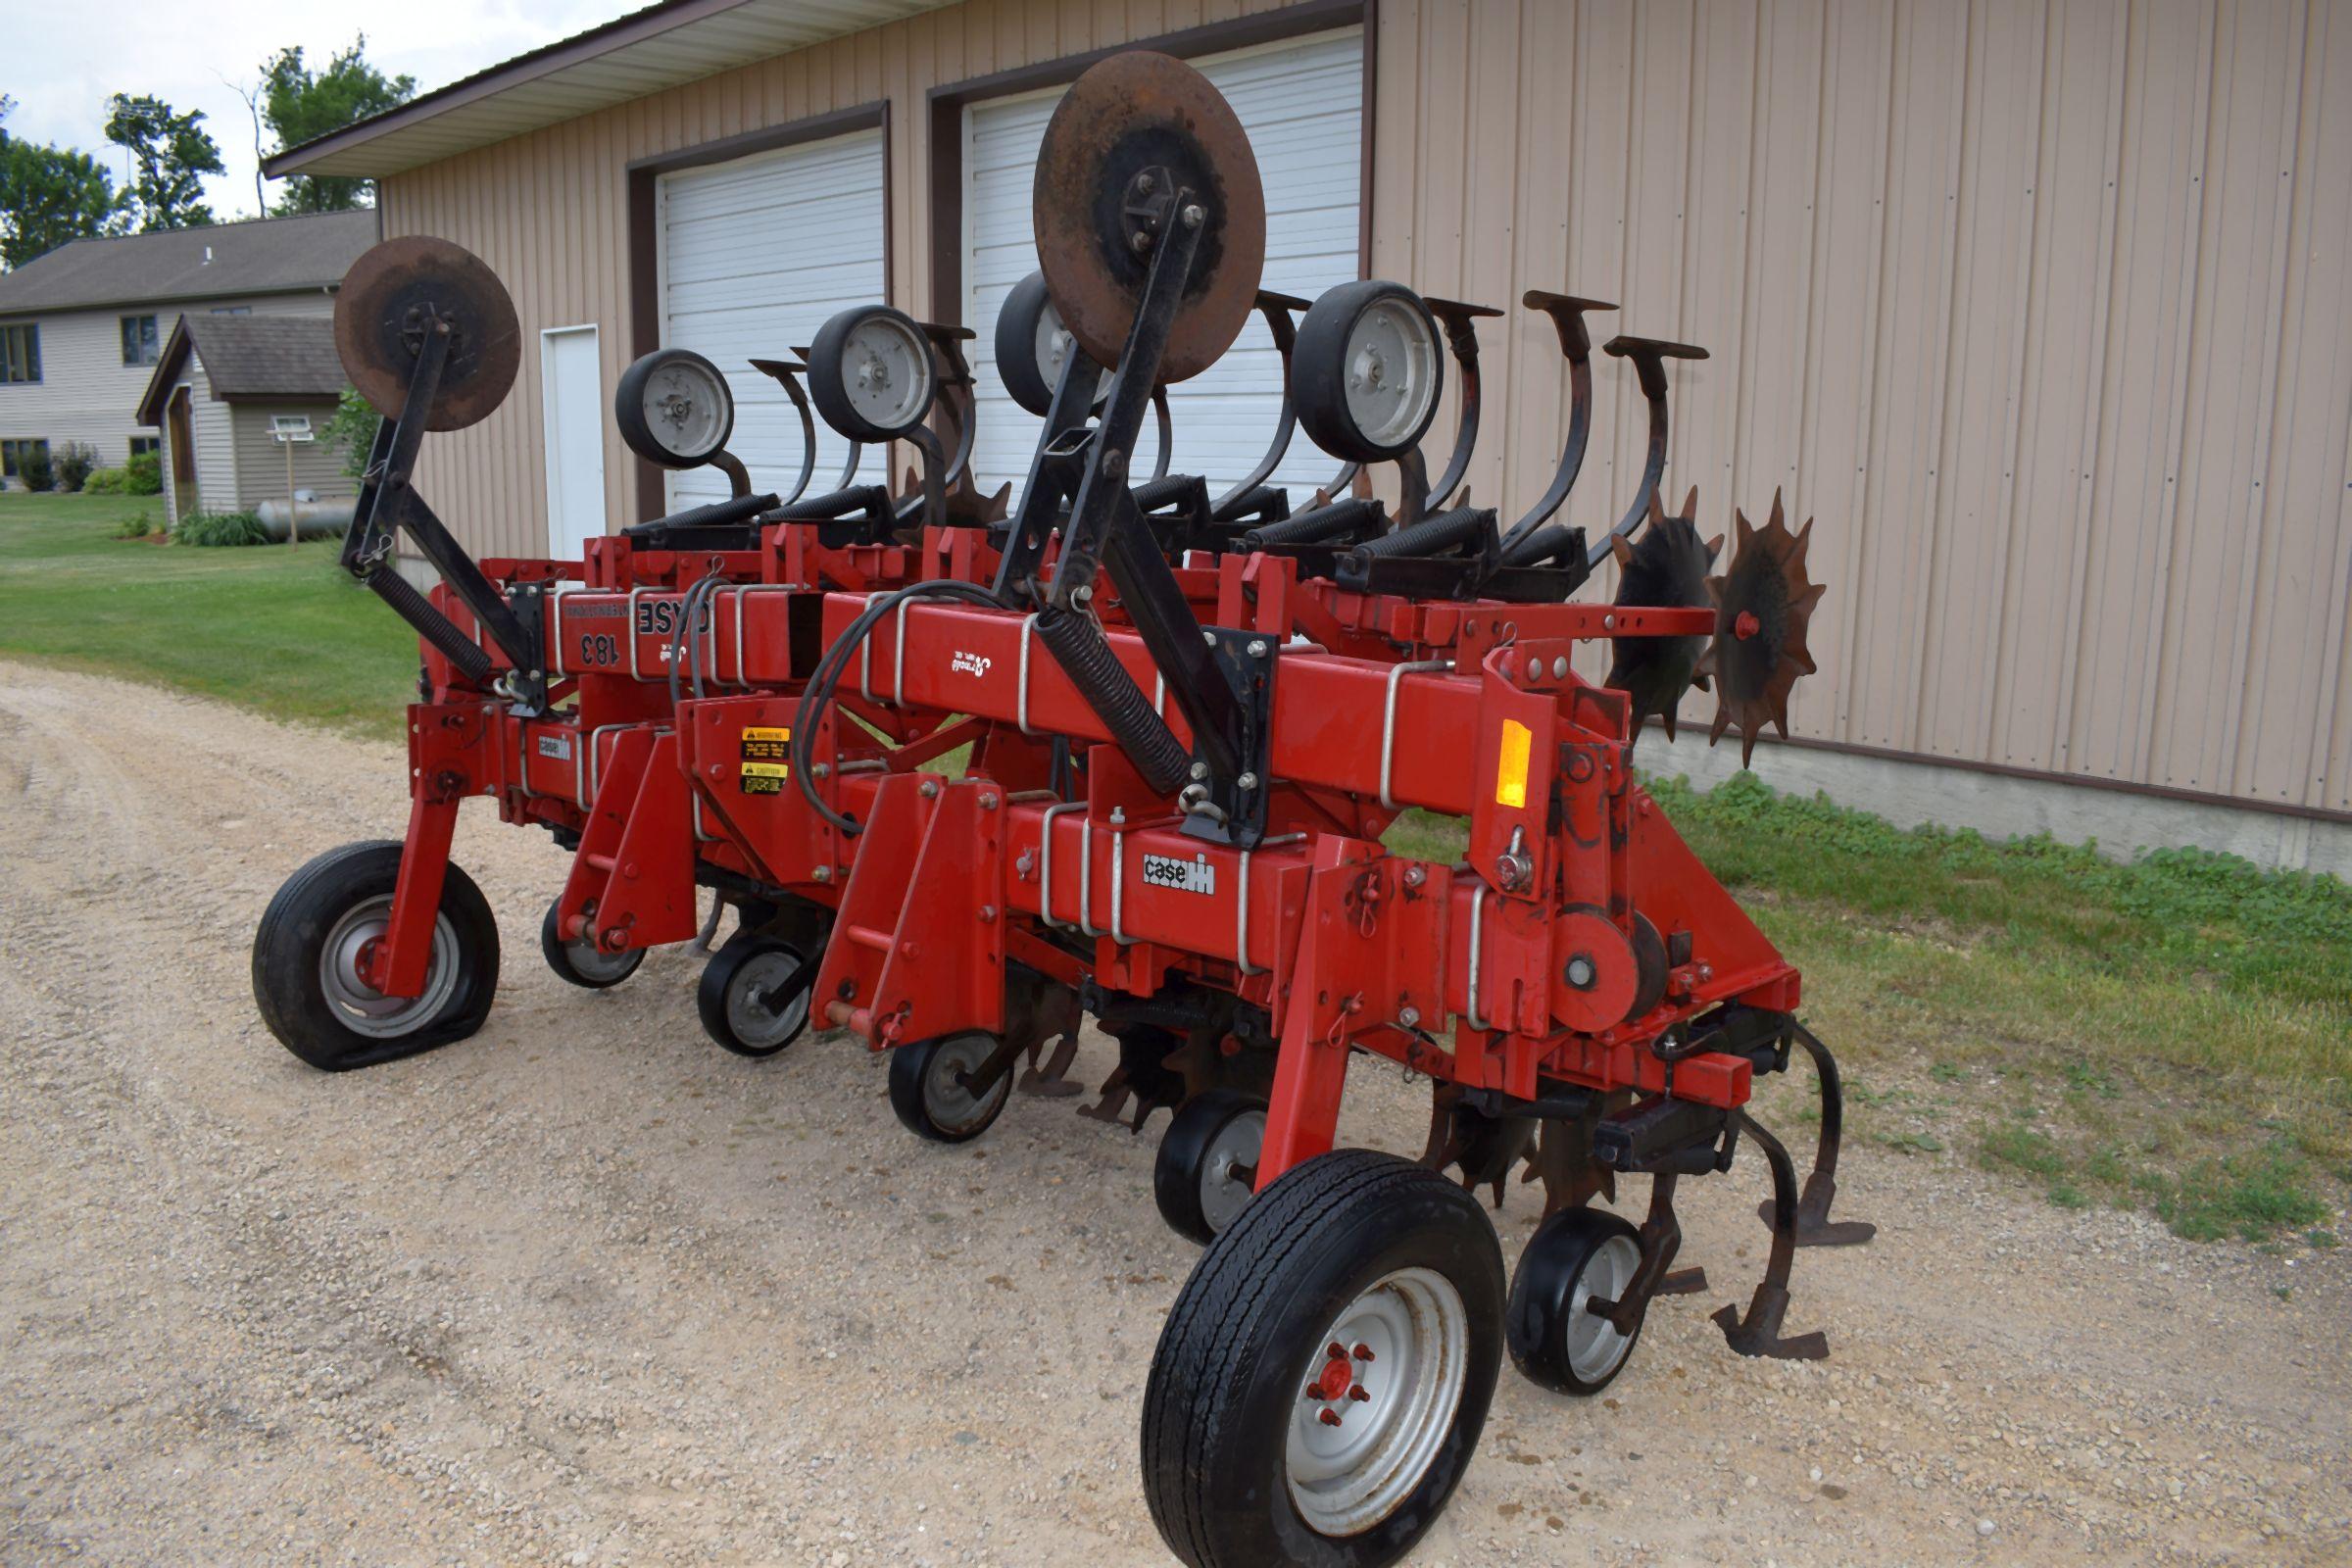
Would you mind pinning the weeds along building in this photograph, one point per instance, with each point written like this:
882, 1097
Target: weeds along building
2040, 309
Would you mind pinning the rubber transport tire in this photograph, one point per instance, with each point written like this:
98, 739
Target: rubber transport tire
291, 940
1319, 371
1179, 1178
590, 971
628, 409
1017, 364
1228, 1374
1545, 1298
719, 1001
827, 353
929, 1101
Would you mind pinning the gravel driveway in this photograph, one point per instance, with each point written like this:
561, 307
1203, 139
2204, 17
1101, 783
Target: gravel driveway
586, 1289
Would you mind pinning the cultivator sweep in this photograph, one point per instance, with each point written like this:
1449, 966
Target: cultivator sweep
969, 768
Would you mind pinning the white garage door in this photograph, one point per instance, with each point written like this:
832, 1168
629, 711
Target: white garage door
755, 254
1302, 106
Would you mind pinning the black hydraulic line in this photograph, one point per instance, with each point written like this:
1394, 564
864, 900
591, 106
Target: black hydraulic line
1461, 337
869, 498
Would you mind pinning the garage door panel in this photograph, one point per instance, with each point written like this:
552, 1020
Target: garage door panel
1301, 104
757, 254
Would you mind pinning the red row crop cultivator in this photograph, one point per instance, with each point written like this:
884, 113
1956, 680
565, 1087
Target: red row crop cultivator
1186, 720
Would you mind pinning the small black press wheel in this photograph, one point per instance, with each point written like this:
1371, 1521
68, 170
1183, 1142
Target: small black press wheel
581, 962
675, 408
1575, 1257
1323, 1377
754, 996
1207, 1164
937, 1090
321, 927
1367, 372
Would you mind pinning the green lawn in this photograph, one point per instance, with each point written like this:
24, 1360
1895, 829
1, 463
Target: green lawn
2175, 1034
274, 627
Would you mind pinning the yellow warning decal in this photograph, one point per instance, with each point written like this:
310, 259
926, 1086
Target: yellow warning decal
1510, 775
766, 744
764, 778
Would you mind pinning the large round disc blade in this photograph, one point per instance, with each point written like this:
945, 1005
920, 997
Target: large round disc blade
381, 314
1136, 112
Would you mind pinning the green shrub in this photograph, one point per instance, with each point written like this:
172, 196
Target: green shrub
143, 475
351, 431
105, 482
73, 464
220, 528
33, 471
138, 526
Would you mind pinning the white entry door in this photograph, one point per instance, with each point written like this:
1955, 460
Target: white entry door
1302, 104
755, 254
573, 392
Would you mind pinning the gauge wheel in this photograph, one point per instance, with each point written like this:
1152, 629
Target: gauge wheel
674, 409
313, 938
1031, 346
754, 996
870, 373
935, 1090
1322, 1380
1366, 370
581, 962
1207, 1163
1575, 1257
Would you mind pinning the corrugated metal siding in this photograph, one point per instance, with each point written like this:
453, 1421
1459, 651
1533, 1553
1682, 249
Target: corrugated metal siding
2038, 306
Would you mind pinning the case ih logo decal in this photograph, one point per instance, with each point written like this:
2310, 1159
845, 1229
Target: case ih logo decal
1195, 875
963, 663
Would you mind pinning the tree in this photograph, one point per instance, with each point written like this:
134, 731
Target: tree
49, 195
172, 152
301, 106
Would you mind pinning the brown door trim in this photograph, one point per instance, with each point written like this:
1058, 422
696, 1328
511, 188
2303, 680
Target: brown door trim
644, 327
945, 106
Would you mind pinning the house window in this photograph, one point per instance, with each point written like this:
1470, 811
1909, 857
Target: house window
21, 352
139, 346
232, 310
146, 446
14, 452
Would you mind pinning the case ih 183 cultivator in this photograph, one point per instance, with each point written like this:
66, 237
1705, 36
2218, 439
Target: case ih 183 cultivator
1187, 721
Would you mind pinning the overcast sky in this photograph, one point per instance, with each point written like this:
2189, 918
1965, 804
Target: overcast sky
61, 60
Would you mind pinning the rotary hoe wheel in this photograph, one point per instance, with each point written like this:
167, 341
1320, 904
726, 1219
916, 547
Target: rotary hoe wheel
1763, 607
1666, 569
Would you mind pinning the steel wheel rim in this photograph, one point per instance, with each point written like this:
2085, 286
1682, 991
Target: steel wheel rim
592, 962
1223, 1194
1596, 1347
1390, 375
761, 977
686, 407
946, 1100
1345, 1479
886, 373
358, 1006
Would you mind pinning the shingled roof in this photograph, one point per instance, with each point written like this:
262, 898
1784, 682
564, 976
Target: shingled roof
219, 260
249, 357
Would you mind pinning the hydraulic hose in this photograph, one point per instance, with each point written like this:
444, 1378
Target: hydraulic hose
1079, 647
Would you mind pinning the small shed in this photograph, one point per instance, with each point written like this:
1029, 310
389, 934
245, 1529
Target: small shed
223, 390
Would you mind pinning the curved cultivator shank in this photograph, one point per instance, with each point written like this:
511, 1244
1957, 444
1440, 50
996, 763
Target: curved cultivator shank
971, 767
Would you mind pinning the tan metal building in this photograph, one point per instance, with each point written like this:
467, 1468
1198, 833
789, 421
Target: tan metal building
2037, 306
